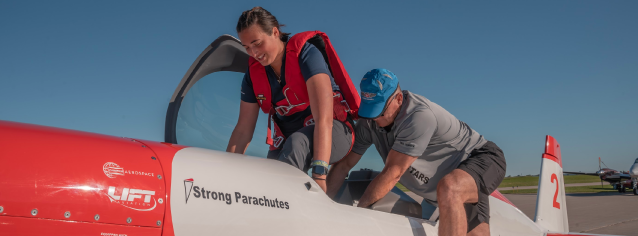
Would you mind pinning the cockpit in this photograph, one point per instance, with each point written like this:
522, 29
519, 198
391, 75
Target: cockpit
204, 109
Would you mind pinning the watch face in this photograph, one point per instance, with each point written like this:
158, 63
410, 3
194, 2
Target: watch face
320, 170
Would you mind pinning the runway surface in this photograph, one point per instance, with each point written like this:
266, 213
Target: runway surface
595, 213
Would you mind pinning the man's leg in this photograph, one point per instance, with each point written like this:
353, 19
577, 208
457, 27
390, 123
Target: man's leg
480, 230
484, 169
453, 191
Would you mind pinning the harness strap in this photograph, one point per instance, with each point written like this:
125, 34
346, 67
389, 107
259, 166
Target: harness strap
340, 113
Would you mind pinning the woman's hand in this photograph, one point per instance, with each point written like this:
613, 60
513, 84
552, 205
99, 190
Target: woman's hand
243, 132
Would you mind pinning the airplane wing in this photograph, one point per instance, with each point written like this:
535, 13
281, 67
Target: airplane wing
579, 173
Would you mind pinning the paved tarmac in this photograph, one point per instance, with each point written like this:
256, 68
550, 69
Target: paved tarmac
566, 185
595, 213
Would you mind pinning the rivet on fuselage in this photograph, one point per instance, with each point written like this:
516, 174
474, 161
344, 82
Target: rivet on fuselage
97, 217
159, 222
1, 209
153, 158
159, 176
34, 212
129, 220
158, 200
67, 214
143, 146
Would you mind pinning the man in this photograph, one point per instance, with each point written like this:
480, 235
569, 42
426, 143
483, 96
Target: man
429, 151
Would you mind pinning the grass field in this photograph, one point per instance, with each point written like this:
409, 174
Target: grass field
533, 180
580, 189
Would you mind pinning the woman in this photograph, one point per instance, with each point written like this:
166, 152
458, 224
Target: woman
300, 95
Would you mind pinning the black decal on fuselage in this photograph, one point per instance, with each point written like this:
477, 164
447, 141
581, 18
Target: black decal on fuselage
228, 200
227, 197
197, 194
237, 196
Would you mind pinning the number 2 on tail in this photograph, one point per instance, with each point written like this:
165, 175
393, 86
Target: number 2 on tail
556, 204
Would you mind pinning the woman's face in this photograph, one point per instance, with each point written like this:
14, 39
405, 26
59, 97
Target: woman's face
262, 47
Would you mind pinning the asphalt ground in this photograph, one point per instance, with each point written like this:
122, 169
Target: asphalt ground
594, 213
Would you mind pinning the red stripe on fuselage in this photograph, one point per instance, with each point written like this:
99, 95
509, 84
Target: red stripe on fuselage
498, 195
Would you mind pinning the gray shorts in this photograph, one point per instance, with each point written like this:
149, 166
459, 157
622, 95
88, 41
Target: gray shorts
297, 150
487, 166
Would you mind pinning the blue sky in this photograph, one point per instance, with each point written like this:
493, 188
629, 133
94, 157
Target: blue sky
514, 71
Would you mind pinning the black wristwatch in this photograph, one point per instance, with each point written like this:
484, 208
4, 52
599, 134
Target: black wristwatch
320, 170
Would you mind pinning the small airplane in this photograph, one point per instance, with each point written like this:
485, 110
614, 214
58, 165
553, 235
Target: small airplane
65, 182
620, 180
633, 172
57, 181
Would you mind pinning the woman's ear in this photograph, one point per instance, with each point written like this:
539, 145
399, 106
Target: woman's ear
275, 32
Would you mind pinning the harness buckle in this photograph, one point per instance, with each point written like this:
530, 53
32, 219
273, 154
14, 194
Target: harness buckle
284, 110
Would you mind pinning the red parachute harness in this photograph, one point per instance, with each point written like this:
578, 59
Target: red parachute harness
345, 103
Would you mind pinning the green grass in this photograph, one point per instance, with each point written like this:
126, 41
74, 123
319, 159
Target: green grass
579, 189
533, 180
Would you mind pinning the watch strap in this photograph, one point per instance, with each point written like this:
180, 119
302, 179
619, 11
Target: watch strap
319, 163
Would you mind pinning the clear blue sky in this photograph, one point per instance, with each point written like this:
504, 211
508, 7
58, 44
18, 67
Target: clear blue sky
515, 71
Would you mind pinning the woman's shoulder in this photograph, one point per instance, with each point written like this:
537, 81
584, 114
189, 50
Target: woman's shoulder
308, 48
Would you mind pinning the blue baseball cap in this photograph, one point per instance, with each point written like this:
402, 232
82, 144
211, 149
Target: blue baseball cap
377, 86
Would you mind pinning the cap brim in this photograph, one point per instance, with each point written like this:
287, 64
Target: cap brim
372, 110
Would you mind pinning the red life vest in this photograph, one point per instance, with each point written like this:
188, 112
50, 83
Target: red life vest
295, 90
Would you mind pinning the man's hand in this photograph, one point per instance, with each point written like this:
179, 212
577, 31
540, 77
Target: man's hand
396, 164
339, 171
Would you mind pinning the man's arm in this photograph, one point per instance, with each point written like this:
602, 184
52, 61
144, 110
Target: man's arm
339, 171
396, 164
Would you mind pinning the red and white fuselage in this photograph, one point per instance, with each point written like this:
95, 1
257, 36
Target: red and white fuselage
63, 182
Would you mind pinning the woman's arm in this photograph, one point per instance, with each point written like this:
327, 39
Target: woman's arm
320, 94
243, 132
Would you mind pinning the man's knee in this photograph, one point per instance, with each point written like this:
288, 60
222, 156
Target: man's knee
448, 190
457, 187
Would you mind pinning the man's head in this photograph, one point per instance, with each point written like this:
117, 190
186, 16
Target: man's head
381, 97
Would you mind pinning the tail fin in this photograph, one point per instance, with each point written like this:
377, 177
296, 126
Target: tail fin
551, 208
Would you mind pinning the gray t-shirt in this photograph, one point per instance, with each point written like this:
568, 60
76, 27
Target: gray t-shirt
425, 130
